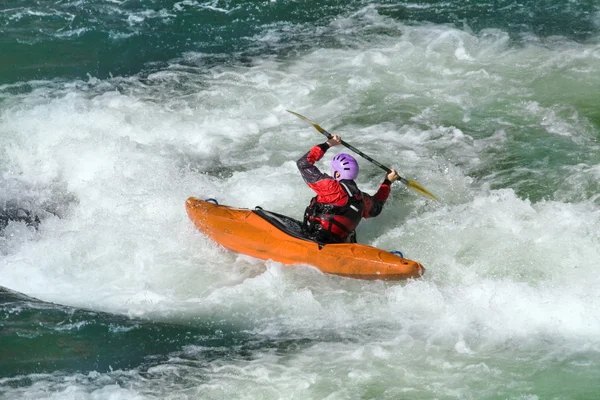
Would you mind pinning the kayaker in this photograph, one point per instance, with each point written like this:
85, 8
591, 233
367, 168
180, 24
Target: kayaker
334, 213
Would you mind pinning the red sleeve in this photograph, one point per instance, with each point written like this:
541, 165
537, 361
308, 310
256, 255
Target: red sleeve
374, 204
383, 192
317, 152
309, 172
328, 190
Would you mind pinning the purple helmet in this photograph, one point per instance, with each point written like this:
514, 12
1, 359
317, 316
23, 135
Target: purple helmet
346, 165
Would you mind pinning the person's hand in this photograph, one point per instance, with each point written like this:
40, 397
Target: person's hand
392, 176
334, 141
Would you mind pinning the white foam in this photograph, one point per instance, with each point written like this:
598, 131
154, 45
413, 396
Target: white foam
502, 270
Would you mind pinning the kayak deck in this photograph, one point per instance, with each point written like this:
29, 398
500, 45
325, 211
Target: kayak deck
267, 235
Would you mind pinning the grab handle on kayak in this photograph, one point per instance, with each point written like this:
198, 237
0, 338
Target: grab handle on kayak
211, 200
398, 253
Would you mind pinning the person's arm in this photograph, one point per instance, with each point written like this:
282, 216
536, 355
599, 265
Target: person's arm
374, 204
306, 164
328, 190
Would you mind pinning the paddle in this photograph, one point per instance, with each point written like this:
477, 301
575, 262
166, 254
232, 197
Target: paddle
411, 184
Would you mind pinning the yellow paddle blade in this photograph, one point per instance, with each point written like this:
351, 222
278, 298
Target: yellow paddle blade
317, 127
420, 189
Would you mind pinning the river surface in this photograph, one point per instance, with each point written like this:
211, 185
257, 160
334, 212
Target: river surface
113, 112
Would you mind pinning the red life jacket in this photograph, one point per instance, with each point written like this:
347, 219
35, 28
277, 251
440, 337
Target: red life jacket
333, 224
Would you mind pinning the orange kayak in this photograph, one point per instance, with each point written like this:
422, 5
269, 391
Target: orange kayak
267, 235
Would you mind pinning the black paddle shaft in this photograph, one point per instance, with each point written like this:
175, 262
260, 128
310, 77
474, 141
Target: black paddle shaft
412, 184
357, 151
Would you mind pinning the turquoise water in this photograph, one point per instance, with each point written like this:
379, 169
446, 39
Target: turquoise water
112, 113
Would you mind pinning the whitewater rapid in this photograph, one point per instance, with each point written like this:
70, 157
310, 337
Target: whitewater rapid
511, 260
